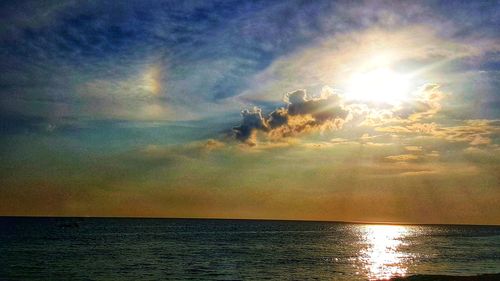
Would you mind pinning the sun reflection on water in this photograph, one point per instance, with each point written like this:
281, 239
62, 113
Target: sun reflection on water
382, 257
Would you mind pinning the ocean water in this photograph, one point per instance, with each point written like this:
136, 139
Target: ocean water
191, 249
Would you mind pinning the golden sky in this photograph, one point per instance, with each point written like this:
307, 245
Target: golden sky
377, 112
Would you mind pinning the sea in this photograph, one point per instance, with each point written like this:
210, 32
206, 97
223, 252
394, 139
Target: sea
213, 249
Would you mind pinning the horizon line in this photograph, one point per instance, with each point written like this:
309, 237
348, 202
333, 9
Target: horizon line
249, 219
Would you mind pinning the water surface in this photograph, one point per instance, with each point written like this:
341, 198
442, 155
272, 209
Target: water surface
191, 249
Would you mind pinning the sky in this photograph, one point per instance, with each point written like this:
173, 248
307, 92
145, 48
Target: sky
369, 111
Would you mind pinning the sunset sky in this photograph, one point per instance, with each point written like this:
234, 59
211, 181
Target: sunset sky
377, 111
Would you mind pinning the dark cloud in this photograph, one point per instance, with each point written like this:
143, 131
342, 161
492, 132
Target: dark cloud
301, 114
324, 108
252, 120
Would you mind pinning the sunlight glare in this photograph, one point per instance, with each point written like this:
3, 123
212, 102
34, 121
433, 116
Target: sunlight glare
382, 257
378, 85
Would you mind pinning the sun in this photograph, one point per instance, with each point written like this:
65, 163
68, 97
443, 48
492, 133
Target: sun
381, 85
375, 80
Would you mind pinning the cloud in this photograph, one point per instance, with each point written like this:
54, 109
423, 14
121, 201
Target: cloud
160, 151
433, 154
402, 157
413, 148
422, 104
211, 144
427, 104
460, 133
301, 114
252, 120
